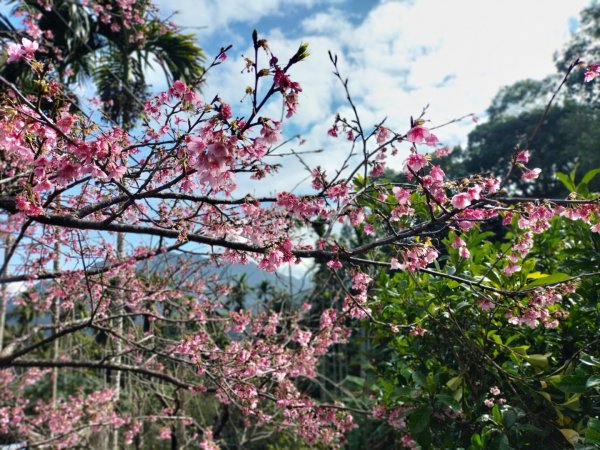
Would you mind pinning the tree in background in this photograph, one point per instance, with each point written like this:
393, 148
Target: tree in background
569, 140
570, 130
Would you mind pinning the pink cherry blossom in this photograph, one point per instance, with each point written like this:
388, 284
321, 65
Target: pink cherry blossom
415, 162
592, 71
523, 157
461, 200
419, 134
437, 174
334, 264
486, 305
532, 174
382, 135
25, 51
402, 195
511, 268
15, 52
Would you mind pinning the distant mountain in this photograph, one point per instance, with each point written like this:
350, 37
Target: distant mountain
252, 276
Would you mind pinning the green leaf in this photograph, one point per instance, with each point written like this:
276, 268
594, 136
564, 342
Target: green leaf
546, 395
497, 415
521, 349
550, 279
588, 177
499, 442
477, 442
454, 383
572, 403
448, 401
536, 360
592, 381
566, 181
536, 275
419, 419
592, 433
509, 417
569, 383
356, 380
589, 360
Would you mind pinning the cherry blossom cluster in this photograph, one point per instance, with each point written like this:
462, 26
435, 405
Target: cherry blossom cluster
63, 421
68, 184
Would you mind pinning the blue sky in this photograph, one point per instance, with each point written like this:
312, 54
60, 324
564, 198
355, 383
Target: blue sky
399, 56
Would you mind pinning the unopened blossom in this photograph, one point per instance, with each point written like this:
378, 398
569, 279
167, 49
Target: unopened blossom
523, 157
334, 264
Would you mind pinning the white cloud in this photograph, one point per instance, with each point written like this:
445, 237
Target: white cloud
453, 56
210, 16
399, 57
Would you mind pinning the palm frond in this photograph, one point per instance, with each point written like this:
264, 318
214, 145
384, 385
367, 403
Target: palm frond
178, 54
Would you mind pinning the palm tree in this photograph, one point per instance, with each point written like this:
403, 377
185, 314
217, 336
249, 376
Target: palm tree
120, 67
114, 55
